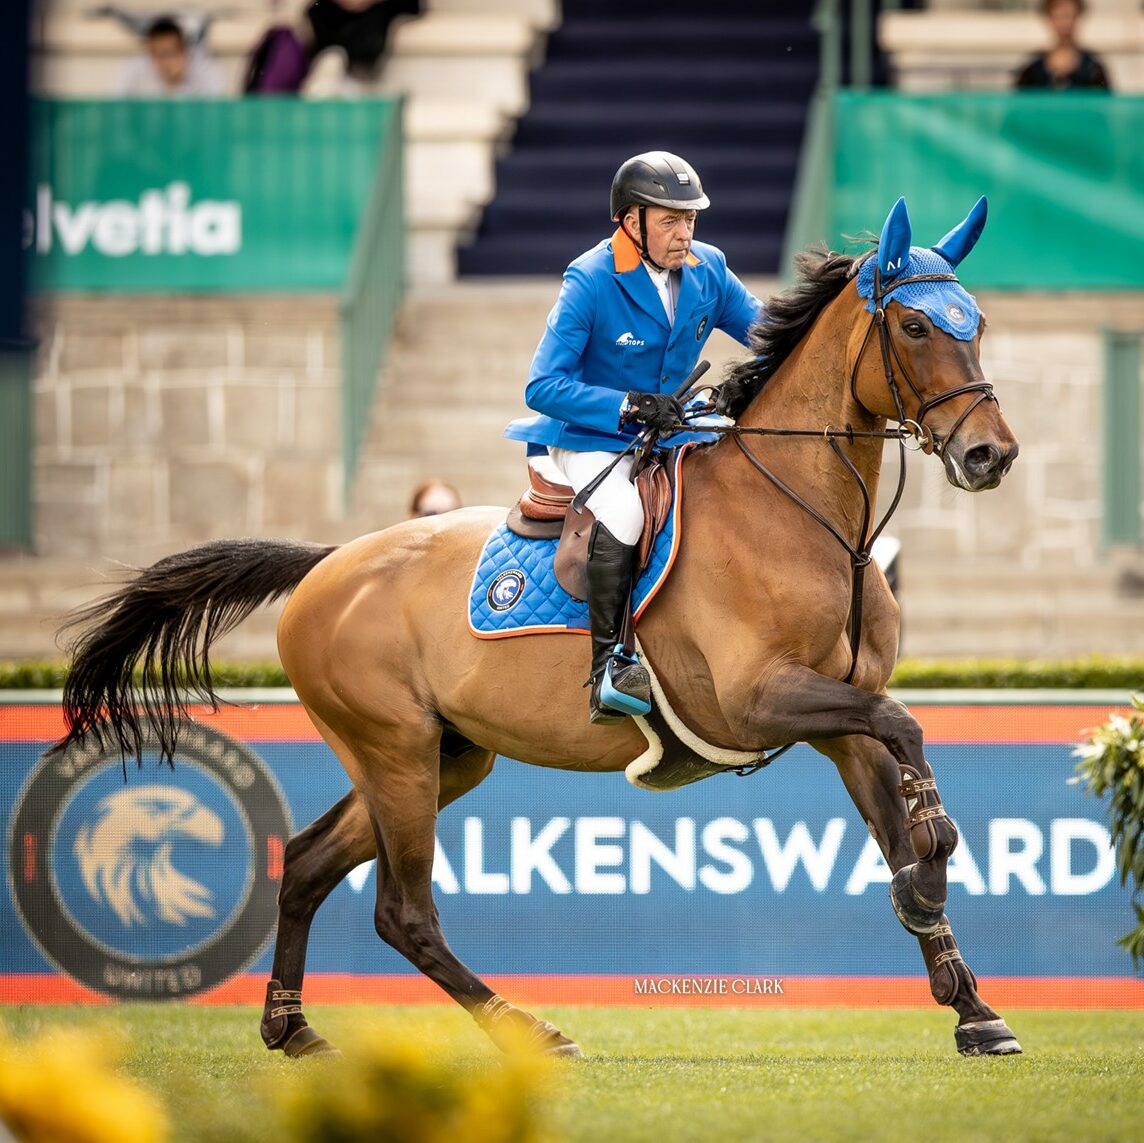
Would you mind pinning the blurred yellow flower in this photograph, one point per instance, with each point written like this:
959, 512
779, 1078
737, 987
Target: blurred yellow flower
63, 1088
421, 1093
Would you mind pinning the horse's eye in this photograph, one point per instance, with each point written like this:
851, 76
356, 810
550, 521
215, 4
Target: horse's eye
915, 329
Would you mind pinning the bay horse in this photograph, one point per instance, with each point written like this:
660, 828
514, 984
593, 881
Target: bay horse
750, 636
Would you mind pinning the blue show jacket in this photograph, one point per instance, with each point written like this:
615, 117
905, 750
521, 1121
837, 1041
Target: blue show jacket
608, 334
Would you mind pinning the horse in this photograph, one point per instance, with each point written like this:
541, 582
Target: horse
752, 637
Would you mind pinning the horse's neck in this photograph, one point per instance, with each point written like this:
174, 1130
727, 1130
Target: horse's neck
811, 390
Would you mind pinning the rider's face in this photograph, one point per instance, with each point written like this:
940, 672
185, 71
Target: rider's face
669, 234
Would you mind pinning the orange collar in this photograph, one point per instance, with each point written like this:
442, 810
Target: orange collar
626, 256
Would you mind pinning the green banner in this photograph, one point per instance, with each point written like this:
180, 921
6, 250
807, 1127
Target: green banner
1064, 174
219, 195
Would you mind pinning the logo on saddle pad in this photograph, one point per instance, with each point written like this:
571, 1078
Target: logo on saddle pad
505, 591
629, 338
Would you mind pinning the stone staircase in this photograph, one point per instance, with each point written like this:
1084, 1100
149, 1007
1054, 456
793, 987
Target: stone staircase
991, 609
726, 84
454, 379
979, 575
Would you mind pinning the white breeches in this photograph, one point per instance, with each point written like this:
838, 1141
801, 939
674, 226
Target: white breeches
616, 503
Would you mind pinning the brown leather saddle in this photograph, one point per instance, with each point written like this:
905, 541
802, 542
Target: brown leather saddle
545, 512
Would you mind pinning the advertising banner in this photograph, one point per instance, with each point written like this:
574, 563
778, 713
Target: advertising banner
1064, 178
222, 195
161, 884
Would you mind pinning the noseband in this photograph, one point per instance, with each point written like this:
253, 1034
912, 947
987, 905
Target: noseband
891, 356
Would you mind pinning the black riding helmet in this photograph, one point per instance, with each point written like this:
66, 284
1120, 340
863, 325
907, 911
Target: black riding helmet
656, 178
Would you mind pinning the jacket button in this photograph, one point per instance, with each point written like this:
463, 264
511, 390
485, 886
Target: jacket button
664, 377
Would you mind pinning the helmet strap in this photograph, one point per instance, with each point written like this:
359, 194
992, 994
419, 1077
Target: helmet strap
644, 252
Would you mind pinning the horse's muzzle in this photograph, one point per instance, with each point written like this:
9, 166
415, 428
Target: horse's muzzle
980, 467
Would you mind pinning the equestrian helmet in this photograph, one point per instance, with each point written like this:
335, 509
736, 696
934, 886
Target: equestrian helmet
657, 178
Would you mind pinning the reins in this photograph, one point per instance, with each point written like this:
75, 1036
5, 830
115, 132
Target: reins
860, 555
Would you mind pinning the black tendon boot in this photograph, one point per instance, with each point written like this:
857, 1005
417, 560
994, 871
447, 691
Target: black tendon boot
620, 683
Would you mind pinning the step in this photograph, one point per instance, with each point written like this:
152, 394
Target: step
553, 169
765, 209
514, 253
658, 9
461, 378
1032, 641
701, 38
732, 81
594, 122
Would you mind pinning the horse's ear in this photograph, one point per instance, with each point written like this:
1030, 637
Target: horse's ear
894, 244
963, 237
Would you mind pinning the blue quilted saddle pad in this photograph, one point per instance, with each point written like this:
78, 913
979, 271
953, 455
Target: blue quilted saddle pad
515, 591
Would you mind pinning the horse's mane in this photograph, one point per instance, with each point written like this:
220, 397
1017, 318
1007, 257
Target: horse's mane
821, 274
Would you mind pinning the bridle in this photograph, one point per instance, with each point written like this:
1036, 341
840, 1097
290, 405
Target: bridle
891, 357
916, 430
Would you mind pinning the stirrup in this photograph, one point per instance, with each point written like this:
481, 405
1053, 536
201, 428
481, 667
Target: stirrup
625, 702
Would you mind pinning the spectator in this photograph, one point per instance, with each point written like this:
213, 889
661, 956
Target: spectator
359, 27
282, 59
170, 67
1066, 66
432, 498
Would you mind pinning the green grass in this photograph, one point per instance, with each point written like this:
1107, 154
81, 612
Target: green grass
666, 1075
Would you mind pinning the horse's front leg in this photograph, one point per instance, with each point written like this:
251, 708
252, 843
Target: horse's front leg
801, 705
870, 776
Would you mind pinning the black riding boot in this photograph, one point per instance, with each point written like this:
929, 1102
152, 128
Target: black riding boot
620, 685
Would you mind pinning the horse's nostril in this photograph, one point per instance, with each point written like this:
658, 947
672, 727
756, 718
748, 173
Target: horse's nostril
981, 460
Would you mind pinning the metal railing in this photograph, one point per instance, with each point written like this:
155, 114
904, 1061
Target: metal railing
809, 221
1122, 488
372, 294
15, 449
810, 205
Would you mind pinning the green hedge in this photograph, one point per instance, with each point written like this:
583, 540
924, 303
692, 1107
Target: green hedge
39, 676
1095, 672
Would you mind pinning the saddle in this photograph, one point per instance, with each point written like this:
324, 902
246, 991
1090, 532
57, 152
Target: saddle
545, 511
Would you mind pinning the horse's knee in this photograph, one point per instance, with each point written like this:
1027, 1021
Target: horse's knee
893, 725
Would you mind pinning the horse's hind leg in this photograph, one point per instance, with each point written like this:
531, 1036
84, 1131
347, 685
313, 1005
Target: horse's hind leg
316, 861
871, 777
396, 770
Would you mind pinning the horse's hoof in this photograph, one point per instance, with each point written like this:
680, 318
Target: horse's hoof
986, 1038
547, 1040
568, 1050
308, 1043
920, 916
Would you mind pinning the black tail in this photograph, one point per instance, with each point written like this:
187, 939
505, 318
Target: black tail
144, 653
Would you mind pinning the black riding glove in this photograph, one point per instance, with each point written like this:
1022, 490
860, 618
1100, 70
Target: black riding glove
659, 411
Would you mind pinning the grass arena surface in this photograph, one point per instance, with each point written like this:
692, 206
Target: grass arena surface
663, 1075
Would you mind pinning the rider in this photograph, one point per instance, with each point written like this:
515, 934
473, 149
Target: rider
632, 317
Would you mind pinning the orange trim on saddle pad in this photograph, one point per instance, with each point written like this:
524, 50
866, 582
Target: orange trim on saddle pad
626, 256
560, 629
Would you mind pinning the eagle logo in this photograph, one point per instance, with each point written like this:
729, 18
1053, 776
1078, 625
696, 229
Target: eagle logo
124, 855
505, 590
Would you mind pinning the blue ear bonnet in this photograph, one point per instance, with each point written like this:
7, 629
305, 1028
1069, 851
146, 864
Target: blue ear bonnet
947, 304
